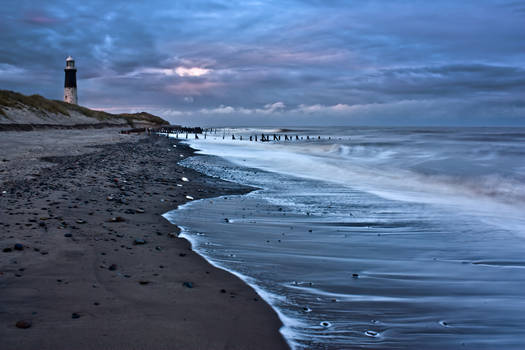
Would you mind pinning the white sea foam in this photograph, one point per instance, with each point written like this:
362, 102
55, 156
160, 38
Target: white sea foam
495, 199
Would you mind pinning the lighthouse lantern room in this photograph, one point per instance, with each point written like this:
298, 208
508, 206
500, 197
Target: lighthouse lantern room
70, 82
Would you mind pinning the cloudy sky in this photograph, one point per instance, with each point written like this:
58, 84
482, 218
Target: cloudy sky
286, 62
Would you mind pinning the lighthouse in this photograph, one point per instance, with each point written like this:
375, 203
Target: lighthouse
70, 82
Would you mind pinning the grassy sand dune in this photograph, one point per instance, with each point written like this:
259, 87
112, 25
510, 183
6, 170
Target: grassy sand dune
16, 108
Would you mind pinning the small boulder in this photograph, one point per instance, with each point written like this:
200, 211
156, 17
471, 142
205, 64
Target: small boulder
19, 246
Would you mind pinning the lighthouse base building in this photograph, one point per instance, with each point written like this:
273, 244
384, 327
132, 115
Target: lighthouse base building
70, 82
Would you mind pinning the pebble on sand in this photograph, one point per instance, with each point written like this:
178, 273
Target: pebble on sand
189, 197
19, 246
139, 241
24, 324
188, 284
75, 315
185, 179
117, 219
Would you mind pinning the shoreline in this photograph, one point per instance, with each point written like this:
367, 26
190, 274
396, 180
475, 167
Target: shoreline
98, 269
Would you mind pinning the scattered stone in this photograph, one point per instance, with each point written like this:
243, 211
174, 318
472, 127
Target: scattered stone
185, 179
189, 197
188, 284
80, 221
223, 291
139, 241
182, 254
139, 210
117, 219
112, 267
355, 275
24, 324
75, 315
68, 235
7, 250
144, 282
371, 333
19, 246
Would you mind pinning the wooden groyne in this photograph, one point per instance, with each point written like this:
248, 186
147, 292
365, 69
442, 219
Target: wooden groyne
180, 132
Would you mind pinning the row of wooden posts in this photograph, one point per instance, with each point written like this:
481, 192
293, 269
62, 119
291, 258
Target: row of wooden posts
186, 132
261, 138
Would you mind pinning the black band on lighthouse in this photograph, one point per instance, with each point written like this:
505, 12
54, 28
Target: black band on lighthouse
71, 78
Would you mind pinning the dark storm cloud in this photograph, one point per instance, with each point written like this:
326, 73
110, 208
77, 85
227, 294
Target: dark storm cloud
287, 61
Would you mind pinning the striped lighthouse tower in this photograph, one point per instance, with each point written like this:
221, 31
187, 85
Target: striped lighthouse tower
70, 82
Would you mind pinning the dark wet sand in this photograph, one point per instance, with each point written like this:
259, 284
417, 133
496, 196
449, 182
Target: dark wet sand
84, 282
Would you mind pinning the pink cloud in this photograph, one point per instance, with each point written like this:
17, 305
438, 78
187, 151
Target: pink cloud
188, 88
40, 18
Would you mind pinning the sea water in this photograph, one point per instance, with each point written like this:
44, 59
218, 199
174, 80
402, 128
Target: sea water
398, 238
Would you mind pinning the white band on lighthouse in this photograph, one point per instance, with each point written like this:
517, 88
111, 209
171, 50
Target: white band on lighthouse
70, 95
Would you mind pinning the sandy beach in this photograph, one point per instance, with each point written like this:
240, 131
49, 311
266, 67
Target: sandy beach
88, 262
